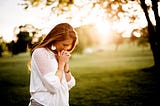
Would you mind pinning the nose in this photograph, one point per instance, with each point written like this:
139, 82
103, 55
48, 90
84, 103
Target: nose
65, 48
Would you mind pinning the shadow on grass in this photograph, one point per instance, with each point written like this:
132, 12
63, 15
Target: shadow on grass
138, 88
143, 89
152, 69
14, 94
151, 87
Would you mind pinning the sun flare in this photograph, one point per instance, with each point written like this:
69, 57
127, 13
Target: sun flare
103, 28
81, 13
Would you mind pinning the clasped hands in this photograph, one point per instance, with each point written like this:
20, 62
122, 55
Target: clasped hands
63, 59
63, 56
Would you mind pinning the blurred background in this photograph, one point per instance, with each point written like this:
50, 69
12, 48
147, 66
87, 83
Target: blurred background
116, 63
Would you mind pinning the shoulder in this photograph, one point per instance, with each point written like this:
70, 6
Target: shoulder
39, 51
42, 52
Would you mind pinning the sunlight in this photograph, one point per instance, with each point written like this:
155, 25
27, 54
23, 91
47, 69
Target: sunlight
97, 17
103, 29
82, 13
137, 34
123, 26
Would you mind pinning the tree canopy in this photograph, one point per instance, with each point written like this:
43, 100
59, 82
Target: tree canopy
116, 11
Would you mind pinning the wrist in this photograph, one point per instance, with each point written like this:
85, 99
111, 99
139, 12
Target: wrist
67, 71
61, 66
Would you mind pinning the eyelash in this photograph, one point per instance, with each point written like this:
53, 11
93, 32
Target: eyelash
65, 45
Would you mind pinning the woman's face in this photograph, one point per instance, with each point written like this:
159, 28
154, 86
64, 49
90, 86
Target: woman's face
64, 45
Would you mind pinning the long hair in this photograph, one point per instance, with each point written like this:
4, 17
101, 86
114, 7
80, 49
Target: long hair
60, 32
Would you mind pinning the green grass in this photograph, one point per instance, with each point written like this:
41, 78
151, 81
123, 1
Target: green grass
106, 78
14, 80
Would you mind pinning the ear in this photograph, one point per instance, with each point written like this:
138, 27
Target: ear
53, 47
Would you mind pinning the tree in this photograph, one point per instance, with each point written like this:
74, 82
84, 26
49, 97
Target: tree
23, 40
3, 46
116, 11
154, 31
11, 48
20, 45
26, 36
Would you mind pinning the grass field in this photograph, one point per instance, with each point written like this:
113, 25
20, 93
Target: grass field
108, 78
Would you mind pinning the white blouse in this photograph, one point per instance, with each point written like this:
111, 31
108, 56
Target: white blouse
45, 86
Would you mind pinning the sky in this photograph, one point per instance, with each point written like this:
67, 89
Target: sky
13, 15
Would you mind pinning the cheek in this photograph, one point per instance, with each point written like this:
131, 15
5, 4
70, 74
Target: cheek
59, 47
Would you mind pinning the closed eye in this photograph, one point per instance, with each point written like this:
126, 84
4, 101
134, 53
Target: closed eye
65, 44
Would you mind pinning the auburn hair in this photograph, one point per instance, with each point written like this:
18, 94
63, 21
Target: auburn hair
60, 32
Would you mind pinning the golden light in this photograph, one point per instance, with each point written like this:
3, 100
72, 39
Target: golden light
137, 34
82, 13
96, 16
103, 29
123, 26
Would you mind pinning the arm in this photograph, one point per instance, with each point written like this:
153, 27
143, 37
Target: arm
70, 82
69, 78
63, 61
47, 69
67, 72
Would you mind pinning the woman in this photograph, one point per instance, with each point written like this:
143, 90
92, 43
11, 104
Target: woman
51, 79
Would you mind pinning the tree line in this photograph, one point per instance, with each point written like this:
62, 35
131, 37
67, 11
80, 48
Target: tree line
115, 11
29, 36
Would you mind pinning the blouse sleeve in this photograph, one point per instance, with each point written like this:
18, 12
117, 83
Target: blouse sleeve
47, 68
71, 83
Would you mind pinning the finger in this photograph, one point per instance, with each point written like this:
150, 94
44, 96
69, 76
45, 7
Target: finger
59, 53
67, 53
62, 52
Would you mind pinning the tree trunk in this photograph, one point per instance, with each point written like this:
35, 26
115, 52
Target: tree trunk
154, 38
157, 29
